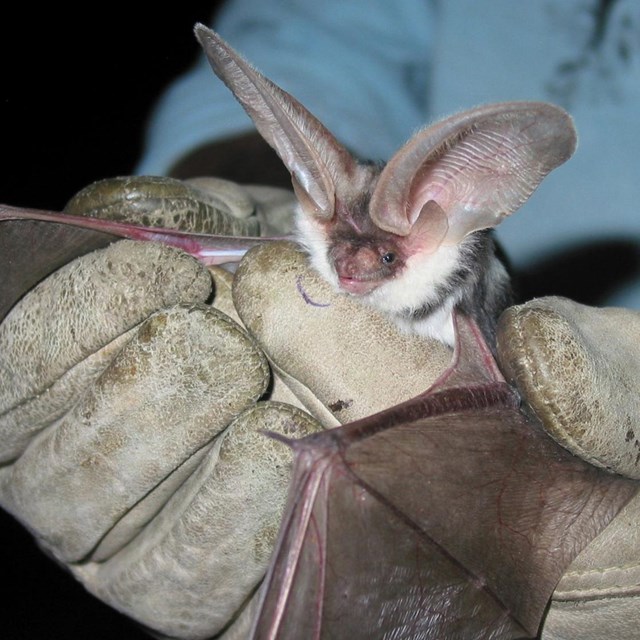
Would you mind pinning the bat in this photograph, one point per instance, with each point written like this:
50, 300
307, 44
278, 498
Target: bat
412, 238
450, 516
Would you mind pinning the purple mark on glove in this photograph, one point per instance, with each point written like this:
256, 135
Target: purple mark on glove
305, 295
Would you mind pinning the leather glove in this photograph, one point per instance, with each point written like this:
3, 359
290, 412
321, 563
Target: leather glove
579, 369
129, 422
359, 366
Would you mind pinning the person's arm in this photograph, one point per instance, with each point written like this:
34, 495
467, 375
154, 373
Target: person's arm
361, 67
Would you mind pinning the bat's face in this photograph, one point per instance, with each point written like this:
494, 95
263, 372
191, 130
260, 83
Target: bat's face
362, 255
395, 274
351, 252
364, 264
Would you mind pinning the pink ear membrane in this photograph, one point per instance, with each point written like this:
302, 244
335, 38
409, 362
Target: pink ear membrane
429, 230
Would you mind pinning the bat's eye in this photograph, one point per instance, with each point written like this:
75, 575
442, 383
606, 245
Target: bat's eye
388, 258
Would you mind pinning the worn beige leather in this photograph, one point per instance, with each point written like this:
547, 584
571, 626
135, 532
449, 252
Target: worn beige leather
579, 370
275, 209
193, 567
211, 206
130, 431
165, 395
132, 435
154, 470
58, 343
223, 300
343, 360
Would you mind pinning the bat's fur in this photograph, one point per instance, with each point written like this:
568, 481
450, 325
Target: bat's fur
420, 294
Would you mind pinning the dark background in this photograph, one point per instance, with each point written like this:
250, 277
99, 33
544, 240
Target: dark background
76, 88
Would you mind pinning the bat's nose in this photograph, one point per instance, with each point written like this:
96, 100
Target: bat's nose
360, 263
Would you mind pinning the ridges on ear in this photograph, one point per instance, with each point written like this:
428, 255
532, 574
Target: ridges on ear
478, 167
316, 160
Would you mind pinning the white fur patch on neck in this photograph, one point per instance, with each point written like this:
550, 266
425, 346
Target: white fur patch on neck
417, 285
437, 325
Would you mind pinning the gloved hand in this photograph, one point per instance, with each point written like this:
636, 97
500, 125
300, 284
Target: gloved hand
579, 369
130, 425
126, 402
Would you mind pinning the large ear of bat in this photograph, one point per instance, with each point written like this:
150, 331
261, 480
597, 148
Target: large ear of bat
472, 169
315, 159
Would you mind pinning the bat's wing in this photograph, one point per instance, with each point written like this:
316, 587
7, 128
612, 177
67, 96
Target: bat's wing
451, 516
34, 243
30, 250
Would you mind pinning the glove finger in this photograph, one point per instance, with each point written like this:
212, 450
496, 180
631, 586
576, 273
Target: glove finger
179, 381
343, 360
232, 197
197, 563
162, 202
275, 208
578, 368
59, 338
223, 300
